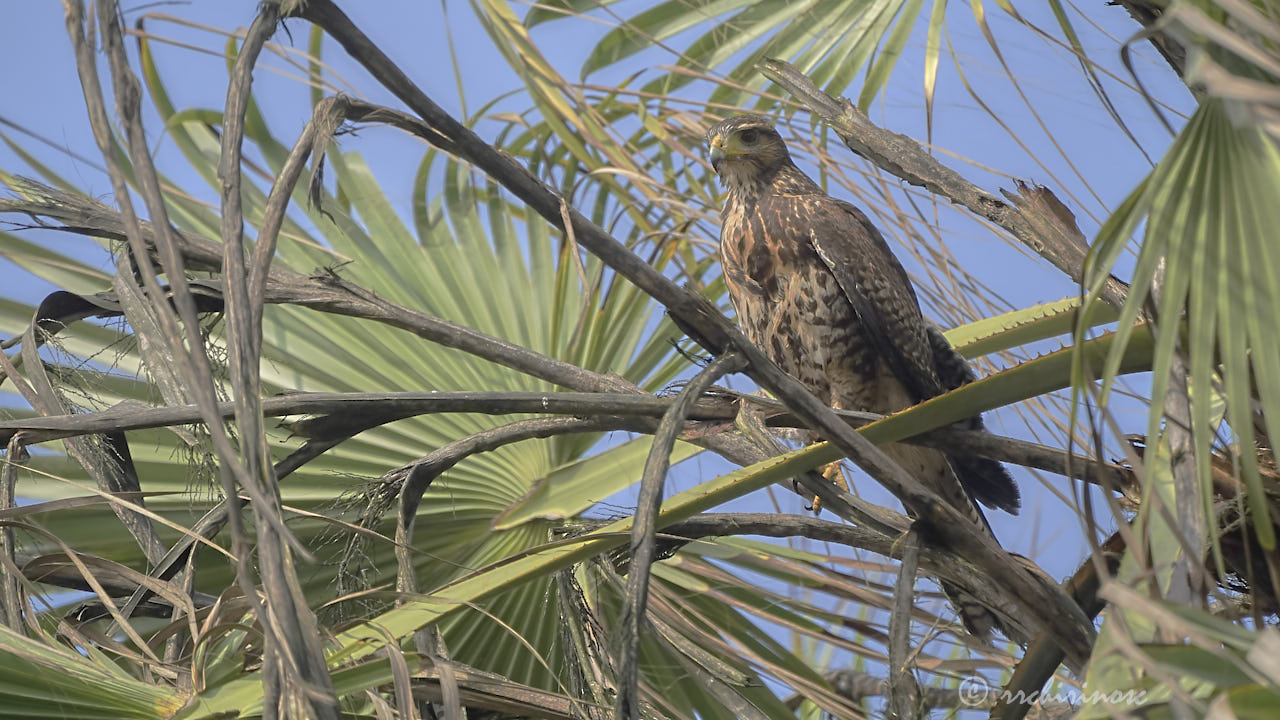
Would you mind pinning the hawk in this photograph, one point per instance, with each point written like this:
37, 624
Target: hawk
816, 287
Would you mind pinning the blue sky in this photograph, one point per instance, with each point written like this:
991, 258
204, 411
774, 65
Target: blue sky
43, 95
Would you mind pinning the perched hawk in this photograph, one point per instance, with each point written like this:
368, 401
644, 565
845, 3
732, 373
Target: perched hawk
815, 286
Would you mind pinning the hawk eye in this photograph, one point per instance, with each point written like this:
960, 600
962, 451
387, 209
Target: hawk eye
749, 136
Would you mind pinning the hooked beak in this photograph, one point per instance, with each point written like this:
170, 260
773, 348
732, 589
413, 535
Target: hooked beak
717, 153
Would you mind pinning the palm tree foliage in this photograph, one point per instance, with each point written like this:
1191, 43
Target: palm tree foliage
513, 584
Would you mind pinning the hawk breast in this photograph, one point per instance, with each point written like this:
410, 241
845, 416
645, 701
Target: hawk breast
790, 304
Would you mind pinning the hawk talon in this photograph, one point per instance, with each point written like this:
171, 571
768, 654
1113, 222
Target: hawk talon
834, 474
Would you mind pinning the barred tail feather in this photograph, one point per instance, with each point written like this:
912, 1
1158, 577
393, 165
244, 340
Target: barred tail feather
987, 480
977, 619
935, 471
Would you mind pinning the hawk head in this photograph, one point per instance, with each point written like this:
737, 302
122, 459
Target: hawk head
745, 150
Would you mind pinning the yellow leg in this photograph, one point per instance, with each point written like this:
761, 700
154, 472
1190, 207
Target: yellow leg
833, 472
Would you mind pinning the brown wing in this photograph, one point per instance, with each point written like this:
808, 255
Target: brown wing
878, 289
882, 297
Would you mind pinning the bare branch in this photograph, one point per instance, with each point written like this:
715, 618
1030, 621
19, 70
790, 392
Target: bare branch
1148, 14
325, 292
293, 645
212, 522
12, 606
341, 415
1043, 656
106, 459
127, 100
936, 560
904, 692
643, 530
116, 579
486, 691
858, 686
410, 481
